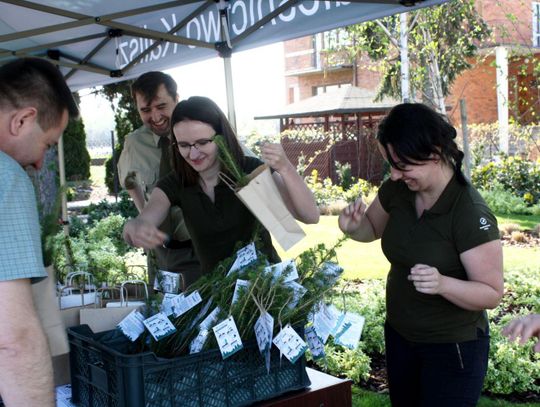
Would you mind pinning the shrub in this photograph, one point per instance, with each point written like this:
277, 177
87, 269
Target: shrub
511, 367
504, 202
124, 207
97, 249
77, 158
518, 176
368, 300
344, 173
344, 362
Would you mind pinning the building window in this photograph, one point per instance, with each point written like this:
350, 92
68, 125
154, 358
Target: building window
293, 94
536, 24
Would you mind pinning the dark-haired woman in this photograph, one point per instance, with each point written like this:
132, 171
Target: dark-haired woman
215, 218
446, 268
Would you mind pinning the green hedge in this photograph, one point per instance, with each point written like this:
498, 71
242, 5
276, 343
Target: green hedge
76, 156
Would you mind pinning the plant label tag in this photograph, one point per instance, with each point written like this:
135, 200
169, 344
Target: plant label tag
132, 325
207, 323
166, 304
227, 337
201, 314
244, 257
159, 326
167, 282
298, 292
264, 329
287, 268
290, 344
350, 331
324, 320
315, 344
197, 344
182, 304
338, 319
241, 285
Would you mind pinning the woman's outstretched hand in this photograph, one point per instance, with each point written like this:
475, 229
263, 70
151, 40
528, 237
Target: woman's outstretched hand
140, 233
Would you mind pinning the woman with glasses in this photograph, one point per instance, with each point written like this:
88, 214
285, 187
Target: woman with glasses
215, 218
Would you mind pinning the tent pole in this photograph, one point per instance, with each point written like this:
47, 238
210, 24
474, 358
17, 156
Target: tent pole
230, 91
62, 174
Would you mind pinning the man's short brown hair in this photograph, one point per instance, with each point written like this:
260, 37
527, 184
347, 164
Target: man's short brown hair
38, 83
148, 83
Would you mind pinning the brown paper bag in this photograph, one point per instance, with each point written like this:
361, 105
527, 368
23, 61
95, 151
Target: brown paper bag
262, 198
44, 294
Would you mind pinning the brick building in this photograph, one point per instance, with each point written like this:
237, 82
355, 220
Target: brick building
308, 71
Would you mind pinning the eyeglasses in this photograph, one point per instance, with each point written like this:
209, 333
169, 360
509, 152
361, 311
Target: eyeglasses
185, 147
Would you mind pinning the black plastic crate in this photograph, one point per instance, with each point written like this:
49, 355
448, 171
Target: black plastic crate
102, 376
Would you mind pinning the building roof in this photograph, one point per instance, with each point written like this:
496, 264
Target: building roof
341, 101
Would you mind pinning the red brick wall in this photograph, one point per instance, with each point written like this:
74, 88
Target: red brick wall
478, 87
516, 30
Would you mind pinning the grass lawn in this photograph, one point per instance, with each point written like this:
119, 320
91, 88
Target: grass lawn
97, 175
524, 221
366, 260
364, 398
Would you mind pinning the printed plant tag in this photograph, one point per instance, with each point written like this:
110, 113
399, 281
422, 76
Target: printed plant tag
350, 331
240, 286
287, 267
228, 338
314, 343
264, 328
167, 282
324, 320
159, 326
244, 257
197, 344
182, 304
290, 344
132, 325
298, 292
166, 304
207, 323
338, 318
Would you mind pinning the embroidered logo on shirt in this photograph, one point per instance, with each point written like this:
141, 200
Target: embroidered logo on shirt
484, 225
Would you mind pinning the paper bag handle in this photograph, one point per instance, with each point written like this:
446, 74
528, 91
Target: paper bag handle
228, 181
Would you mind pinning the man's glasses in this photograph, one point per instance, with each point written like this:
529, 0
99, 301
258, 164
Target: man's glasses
185, 147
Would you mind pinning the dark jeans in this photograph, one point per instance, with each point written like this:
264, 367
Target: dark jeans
435, 374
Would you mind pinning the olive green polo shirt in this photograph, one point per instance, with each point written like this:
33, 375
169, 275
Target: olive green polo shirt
460, 220
216, 227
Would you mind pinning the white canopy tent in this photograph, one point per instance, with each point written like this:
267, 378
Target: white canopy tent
95, 42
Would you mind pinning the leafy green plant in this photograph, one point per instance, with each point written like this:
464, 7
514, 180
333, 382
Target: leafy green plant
518, 176
344, 362
344, 173
103, 209
97, 249
504, 202
512, 367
